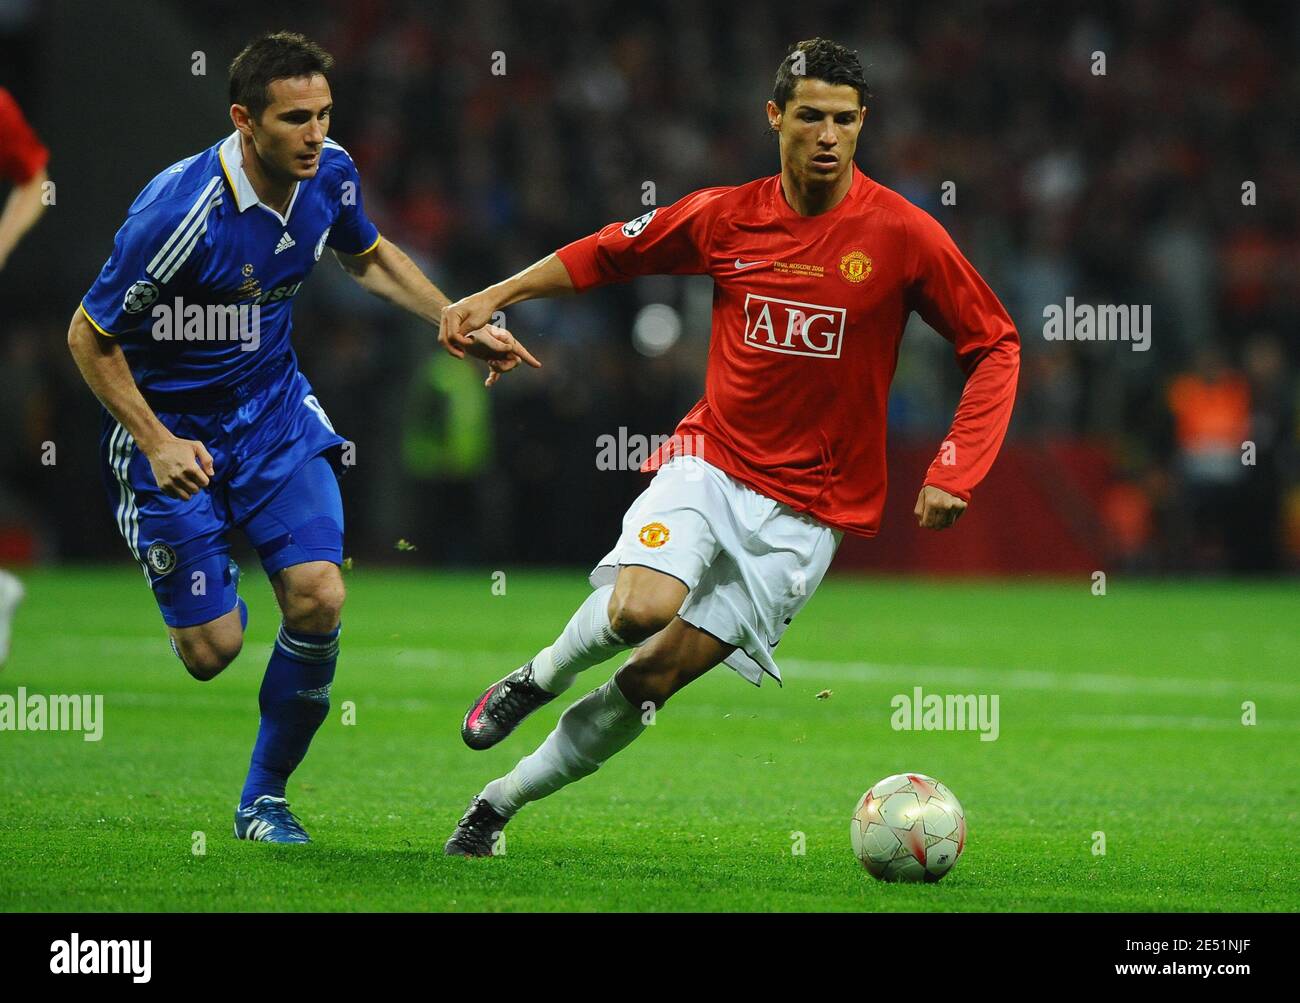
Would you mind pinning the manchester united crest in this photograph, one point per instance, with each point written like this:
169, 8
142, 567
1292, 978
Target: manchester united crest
653, 534
855, 267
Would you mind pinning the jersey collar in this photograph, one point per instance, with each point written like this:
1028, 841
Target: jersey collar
231, 155
786, 213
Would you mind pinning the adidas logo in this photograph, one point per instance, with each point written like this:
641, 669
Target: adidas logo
258, 830
286, 242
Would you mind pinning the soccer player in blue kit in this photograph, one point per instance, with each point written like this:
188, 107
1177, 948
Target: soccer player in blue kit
209, 425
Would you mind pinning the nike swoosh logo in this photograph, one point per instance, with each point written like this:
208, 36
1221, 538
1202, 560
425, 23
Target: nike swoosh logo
478, 709
741, 265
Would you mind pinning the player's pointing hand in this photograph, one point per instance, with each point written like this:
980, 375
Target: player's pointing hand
467, 329
181, 467
501, 351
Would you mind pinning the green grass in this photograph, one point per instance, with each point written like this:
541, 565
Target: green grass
1119, 714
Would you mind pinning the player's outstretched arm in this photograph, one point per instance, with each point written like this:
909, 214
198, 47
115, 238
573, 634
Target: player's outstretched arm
390, 274
667, 241
22, 209
182, 467
387, 272
539, 280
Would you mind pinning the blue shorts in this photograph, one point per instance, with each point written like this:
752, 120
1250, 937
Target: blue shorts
275, 463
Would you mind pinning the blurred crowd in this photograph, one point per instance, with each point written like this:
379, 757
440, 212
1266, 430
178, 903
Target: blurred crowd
1171, 179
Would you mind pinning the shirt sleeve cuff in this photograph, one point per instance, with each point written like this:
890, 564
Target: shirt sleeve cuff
373, 244
31, 164
95, 324
934, 481
579, 259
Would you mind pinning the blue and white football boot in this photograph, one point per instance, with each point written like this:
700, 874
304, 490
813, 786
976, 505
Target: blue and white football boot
269, 820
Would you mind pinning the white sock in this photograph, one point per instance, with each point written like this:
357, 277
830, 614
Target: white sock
588, 733
587, 640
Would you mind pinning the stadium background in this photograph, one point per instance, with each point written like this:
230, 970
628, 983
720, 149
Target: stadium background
1124, 188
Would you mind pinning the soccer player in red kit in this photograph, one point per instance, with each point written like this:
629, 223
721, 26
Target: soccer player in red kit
816, 271
22, 163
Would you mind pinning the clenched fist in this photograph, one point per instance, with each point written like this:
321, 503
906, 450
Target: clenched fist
181, 467
936, 509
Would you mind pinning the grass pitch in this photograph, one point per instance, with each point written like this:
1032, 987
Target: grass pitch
1119, 715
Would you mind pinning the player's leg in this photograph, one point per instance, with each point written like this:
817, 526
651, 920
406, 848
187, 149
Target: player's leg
613, 618
639, 604
207, 648
591, 731
299, 537
181, 545
666, 543
675, 656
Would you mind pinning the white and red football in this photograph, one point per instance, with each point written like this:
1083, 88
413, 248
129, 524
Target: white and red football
908, 827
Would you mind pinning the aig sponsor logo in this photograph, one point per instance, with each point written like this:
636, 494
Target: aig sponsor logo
794, 328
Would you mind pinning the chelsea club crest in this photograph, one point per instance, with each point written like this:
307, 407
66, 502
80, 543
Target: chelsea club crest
160, 558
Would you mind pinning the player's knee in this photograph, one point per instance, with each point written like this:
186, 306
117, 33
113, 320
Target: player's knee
206, 657
635, 618
204, 666
315, 606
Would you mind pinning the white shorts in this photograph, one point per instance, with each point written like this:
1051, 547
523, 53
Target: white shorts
750, 562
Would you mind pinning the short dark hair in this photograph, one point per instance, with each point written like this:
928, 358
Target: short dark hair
277, 56
822, 60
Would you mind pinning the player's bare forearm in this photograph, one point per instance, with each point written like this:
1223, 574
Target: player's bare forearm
22, 209
389, 273
104, 368
181, 466
539, 280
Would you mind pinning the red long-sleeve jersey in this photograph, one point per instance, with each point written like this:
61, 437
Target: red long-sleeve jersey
21, 153
808, 314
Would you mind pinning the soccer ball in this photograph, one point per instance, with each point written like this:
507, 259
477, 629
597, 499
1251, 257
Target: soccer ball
908, 827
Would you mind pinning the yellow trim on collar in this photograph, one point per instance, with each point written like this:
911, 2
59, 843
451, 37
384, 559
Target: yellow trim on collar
229, 180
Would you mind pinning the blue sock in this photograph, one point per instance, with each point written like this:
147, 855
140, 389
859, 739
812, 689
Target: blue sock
294, 701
